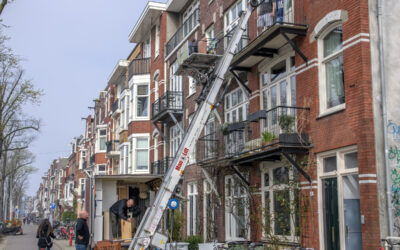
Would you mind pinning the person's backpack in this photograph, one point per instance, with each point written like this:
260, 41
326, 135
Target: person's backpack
43, 242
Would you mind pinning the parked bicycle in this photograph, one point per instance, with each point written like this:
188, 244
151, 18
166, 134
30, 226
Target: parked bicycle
390, 243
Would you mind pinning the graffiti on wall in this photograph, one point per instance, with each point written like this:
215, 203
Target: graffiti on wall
393, 131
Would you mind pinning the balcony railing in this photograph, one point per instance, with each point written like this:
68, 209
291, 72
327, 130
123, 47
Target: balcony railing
92, 159
282, 125
112, 146
160, 167
182, 32
172, 100
84, 165
139, 67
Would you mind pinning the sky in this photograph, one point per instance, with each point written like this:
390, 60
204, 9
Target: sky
70, 48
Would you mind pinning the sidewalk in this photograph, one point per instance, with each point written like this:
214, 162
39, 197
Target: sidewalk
3, 242
64, 244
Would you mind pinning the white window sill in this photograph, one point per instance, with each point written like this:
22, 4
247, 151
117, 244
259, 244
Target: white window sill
332, 111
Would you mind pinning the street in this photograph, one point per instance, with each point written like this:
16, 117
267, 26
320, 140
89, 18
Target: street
26, 241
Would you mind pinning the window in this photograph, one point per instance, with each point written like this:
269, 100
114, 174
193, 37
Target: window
192, 85
209, 133
175, 80
231, 21
157, 45
82, 182
330, 51
147, 48
192, 209
279, 201
102, 139
190, 18
211, 41
208, 212
236, 210
142, 154
124, 117
142, 101
192, 153
278, 83
339, 200
82, 159
101, 169
124, 159
175, 139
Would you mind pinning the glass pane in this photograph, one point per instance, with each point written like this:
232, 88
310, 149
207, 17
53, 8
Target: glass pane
292, 63
265, 99
241, 223
240, 96
229, 185
282, 212
278, 71
283, 93
281, 175
234, 116
142, 159
350, 160
142, 90
266, 180
102, 143
333, 41
142, 143
265, 78
227, 102
293, 91
334, 82
240, 114
142, 106
103, 132
329, 164
234, 99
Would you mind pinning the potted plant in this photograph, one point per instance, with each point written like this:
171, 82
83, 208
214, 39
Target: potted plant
268, 137
286, 123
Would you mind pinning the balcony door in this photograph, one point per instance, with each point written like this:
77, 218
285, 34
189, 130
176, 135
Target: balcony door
175, 86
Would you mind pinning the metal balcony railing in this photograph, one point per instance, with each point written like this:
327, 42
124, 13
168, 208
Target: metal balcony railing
188, 26
84, 165
160, 167
92, 159
139, 67
232, 140
112, 146
172, 100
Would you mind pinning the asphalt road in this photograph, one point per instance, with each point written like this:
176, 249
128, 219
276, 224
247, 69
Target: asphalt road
27, 241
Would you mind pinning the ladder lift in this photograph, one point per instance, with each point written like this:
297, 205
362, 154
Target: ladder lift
152, 217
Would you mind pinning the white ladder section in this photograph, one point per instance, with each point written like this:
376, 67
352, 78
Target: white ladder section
153, 214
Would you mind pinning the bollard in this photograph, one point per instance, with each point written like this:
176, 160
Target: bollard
70, 237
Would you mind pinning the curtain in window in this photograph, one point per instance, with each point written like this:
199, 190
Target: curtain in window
334, 82
333, 41
142, 154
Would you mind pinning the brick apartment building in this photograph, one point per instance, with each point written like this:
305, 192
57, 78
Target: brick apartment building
287, 157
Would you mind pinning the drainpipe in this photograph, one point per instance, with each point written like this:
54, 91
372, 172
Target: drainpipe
384, 114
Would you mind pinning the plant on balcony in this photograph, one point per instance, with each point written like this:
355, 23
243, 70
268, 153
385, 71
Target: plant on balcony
224, 129
268, 137
193, 241
286, 123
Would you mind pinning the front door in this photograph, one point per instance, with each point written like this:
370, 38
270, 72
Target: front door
352, 216
331, 215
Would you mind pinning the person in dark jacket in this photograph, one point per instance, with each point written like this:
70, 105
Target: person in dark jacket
118, 211
44, 234
82, 232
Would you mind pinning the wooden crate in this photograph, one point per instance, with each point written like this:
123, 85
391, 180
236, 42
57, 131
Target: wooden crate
107, 245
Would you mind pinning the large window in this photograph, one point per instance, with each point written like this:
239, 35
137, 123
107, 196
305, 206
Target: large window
124, 159
332, 94
82, 182
209, 140
175, 139
208, 212
278, 83
147, 48
236, 107
101, 169
142, 101
279, 198
192, 209
142, 154
231, 17
157, 45
236, 210
339, 200
175, 83
102, 139
190, 21
124, 104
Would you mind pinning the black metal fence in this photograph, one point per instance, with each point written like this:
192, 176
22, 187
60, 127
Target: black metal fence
172, 100
160, 167
112, 146
115, 106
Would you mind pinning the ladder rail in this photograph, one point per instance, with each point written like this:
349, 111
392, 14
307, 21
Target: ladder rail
150, 222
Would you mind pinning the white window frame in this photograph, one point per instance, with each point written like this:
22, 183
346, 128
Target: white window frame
98, 137
192, 86
210, 36
207, 190
175, 139
133, 152
228, 114
192, 193
268, 167
209, 131
231, 223
147, 47
234, 21
339, 173
157, 41
98, 172
124, 158
175, 81
82, 157
266, 85
82, 185
133, 85
324, 110
188, 12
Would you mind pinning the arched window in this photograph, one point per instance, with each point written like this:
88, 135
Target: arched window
332, 94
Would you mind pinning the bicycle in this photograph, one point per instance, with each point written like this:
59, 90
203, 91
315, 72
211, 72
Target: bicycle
388, 243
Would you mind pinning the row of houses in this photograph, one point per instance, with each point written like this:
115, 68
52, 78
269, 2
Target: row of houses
299, 150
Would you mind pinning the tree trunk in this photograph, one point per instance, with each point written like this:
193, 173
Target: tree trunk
2, 5
2, 183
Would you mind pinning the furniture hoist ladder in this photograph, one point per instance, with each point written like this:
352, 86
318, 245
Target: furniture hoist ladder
152, 217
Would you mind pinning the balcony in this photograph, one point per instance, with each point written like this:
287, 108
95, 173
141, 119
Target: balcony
283, 129
191, 23
139, 67
160, 167
171, 102
115, 108
112, 149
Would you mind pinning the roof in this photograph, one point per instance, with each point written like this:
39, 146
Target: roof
175, 5
148, 17
119, 70
134, 178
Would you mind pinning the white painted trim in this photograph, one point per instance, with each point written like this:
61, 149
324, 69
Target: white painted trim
367, 175
367, 181
355, 37
328, 19
309, 187
307, 68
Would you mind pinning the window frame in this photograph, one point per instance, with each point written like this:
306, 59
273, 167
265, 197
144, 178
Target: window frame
175, 136
207, 190
99, 137
193, 220
98, 172
133, 87
322, 61
133, 153
339, 173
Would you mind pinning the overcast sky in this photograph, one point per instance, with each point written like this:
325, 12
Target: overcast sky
71, 48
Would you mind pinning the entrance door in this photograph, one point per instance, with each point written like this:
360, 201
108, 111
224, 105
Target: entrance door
352, 216
331, 214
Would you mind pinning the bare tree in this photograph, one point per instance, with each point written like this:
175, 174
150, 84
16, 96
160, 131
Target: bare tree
3, 5
17, 130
